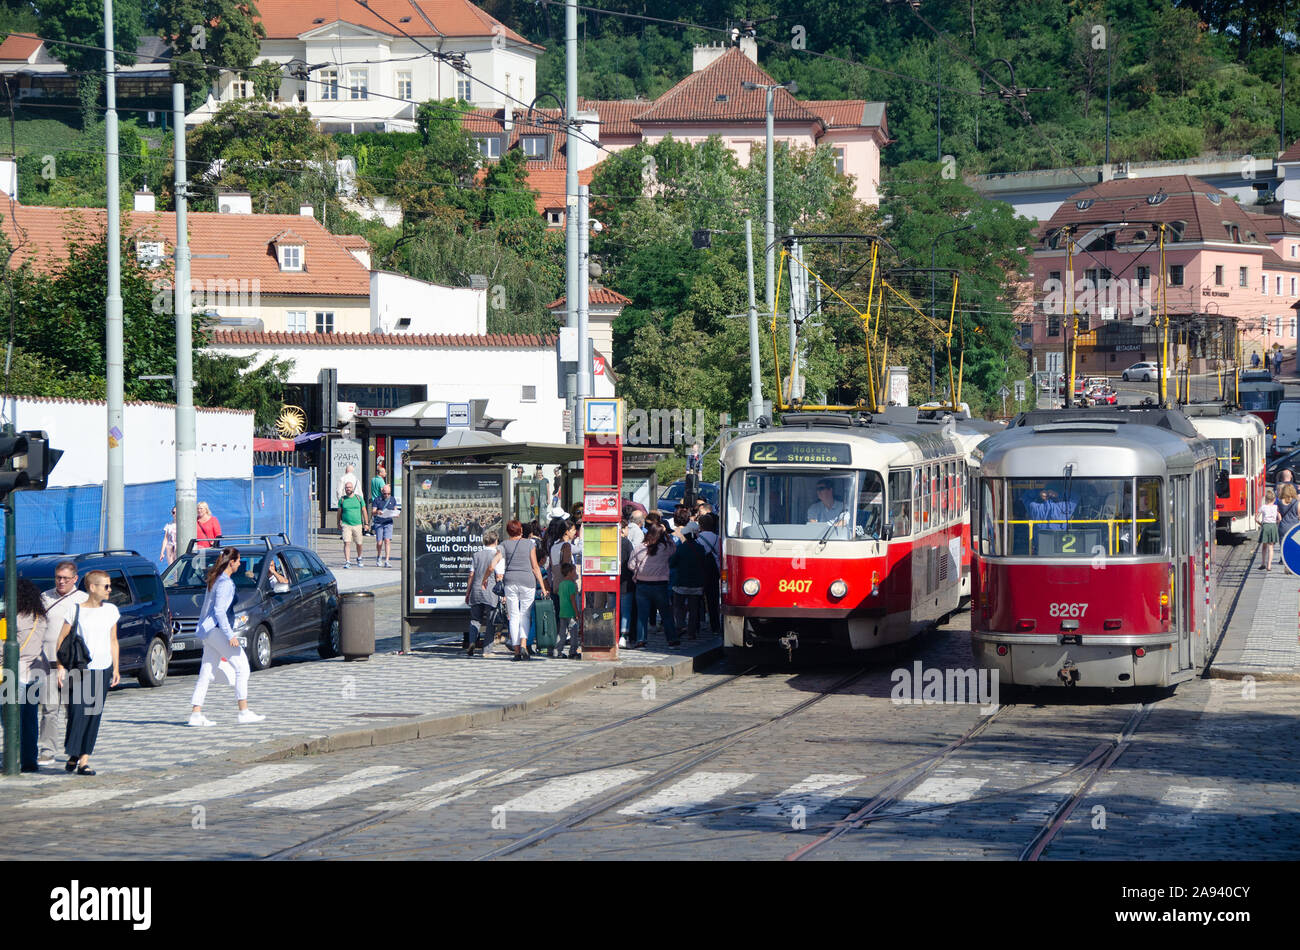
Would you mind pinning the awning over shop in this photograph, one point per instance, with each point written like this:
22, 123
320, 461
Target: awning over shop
274, 445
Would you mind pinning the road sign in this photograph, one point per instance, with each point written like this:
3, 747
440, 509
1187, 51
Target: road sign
457, 415
1291, 550
1004, 392
1020, 390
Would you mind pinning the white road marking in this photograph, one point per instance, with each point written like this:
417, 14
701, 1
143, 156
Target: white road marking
243, 781
416, 796
505, 778
803, 794
689, 794
78, 798
566, 791
938, 790
1189, 802
307, 798
1045, 802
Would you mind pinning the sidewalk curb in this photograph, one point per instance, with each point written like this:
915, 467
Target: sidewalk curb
442, 724
1237, 673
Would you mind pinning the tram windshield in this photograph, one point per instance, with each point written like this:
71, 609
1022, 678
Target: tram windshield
1071, 517
1231, 455
805, 506
1253, 399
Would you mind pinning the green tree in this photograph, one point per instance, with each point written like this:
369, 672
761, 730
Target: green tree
267, 77
234, 383
75, 31
208, 35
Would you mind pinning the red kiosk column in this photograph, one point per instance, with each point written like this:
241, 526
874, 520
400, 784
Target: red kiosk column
602, 479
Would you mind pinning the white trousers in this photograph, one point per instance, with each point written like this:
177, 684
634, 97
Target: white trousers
519, 600
213, 654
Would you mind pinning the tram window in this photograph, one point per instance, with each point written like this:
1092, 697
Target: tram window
1231, 455
807, 505
991, 516
900, 502
1070, 517
1150, 536
943, 491
917, 506
871, 506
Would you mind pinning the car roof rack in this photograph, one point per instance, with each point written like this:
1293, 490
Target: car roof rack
44, 554
266, 539
108, 553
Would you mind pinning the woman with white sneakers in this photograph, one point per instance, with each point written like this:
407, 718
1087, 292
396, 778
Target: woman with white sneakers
220, 642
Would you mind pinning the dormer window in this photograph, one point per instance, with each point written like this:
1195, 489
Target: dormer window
534, 146
489, 147
290, 256
149, 253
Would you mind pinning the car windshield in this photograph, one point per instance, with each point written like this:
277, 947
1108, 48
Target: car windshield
190, 570
805, 506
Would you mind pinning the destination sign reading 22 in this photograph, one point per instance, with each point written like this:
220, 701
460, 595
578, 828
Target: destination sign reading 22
801, 453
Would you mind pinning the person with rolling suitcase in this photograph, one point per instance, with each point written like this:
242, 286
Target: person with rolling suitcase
544, 624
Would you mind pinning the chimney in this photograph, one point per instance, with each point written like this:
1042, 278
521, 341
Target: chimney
235, 202
9, 177
749, 46
508, 123
703, 56
307, 211
145, 201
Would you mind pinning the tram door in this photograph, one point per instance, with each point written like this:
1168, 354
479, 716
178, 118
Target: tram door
1184, 610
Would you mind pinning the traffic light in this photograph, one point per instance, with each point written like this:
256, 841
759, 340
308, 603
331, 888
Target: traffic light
41, 459
13, 463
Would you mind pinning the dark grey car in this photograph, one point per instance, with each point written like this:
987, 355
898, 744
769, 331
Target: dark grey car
271, 618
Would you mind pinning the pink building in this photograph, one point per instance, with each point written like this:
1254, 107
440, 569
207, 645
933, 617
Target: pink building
1221, 261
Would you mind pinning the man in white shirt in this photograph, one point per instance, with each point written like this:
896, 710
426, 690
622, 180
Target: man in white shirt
635, 531
826, 510
60, 606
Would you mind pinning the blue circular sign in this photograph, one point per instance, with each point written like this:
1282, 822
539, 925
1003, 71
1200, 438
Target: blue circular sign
1291, 550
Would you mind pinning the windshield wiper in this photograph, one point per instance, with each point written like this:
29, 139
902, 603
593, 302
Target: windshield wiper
753, 510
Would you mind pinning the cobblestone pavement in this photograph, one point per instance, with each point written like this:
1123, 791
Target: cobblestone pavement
1263, 639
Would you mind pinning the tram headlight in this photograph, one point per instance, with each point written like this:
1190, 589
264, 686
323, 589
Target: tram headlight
839, 589
750, 587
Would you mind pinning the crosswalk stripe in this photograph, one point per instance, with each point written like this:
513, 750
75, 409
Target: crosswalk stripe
243, 781
318, 795
78, 798
804, 794
505, 778
1045, 802
689, 794
412, 797
1188, 802
938, 790
566, 791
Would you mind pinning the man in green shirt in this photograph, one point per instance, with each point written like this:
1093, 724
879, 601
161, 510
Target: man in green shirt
352, 521
377, 484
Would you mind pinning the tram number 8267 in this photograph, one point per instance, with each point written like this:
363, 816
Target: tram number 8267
1066, 610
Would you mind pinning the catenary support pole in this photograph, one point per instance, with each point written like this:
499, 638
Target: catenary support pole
115, 503
755, 372
571, 197
770, 221
585, 380
187, 489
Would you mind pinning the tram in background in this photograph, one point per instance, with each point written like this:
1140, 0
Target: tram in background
1241, 443
1258, 393
1093, 555
840, 533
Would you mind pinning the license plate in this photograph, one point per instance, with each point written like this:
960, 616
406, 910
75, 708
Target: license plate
179, 645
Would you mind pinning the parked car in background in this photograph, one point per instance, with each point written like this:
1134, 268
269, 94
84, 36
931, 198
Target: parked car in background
676, 492
272, 618
1290, 460
1141, 371
1286, 430
144, 628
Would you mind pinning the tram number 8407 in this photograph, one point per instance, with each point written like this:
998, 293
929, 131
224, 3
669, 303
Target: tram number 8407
794, 587
1066, 610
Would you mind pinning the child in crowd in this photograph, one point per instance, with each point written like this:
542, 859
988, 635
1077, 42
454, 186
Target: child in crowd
569, 612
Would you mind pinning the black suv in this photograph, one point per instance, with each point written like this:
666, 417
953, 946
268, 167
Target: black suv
271, 618
144, 629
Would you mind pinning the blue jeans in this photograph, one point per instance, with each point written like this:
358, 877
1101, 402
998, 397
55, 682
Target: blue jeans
30, 719
651, 596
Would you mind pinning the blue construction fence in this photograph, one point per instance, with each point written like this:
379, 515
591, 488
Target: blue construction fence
71, 520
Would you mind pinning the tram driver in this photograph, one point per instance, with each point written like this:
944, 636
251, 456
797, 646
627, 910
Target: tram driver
827, 509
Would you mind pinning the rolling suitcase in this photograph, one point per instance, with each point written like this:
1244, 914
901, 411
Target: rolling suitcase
544, 623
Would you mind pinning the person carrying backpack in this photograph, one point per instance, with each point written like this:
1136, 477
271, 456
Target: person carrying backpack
688, 563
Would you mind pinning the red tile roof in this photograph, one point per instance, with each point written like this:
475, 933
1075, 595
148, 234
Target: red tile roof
1290, 155
1186, 199
224, 246
549, 181
616, 115
1275, 223
547, 178
695, 98
288, 19
441, 340
597, 295
18, 47
351, 241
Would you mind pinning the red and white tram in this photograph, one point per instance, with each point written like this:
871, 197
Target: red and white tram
1093, 563
1241, 443
1260, 396
840, 532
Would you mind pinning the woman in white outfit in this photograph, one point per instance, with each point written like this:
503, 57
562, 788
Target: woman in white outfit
219, 641
521, 569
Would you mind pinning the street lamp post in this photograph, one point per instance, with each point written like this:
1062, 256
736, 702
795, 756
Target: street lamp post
770, 222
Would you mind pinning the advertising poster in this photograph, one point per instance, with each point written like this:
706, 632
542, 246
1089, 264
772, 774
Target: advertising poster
343, 452
451, 511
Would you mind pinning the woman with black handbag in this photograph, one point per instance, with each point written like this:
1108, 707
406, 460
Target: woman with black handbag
88, 662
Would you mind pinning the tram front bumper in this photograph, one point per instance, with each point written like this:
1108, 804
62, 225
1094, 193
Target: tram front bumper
1044, 661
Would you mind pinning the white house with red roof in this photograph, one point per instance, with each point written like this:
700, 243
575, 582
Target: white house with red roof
365, 67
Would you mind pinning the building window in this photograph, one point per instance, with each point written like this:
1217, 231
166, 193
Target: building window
839, 159
1291, 327
290, 256
1243, 279
359, 84
1053, 325
1218, 275
1263, 284
1144, 276
489, 147
241, 89
465, 89
1293, 249
1292, 286
554, 218
534, 146
1278, 331
329, 84
1175, 275
1279, 285
404, 86
296, 321
528, 394
324, 321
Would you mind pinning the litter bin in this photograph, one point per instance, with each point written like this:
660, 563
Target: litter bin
357, 624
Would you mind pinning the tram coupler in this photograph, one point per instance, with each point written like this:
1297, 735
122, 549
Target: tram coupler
791, 643
1068, 674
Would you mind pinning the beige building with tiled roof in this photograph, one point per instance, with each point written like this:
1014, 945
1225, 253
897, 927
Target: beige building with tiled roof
368, 66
